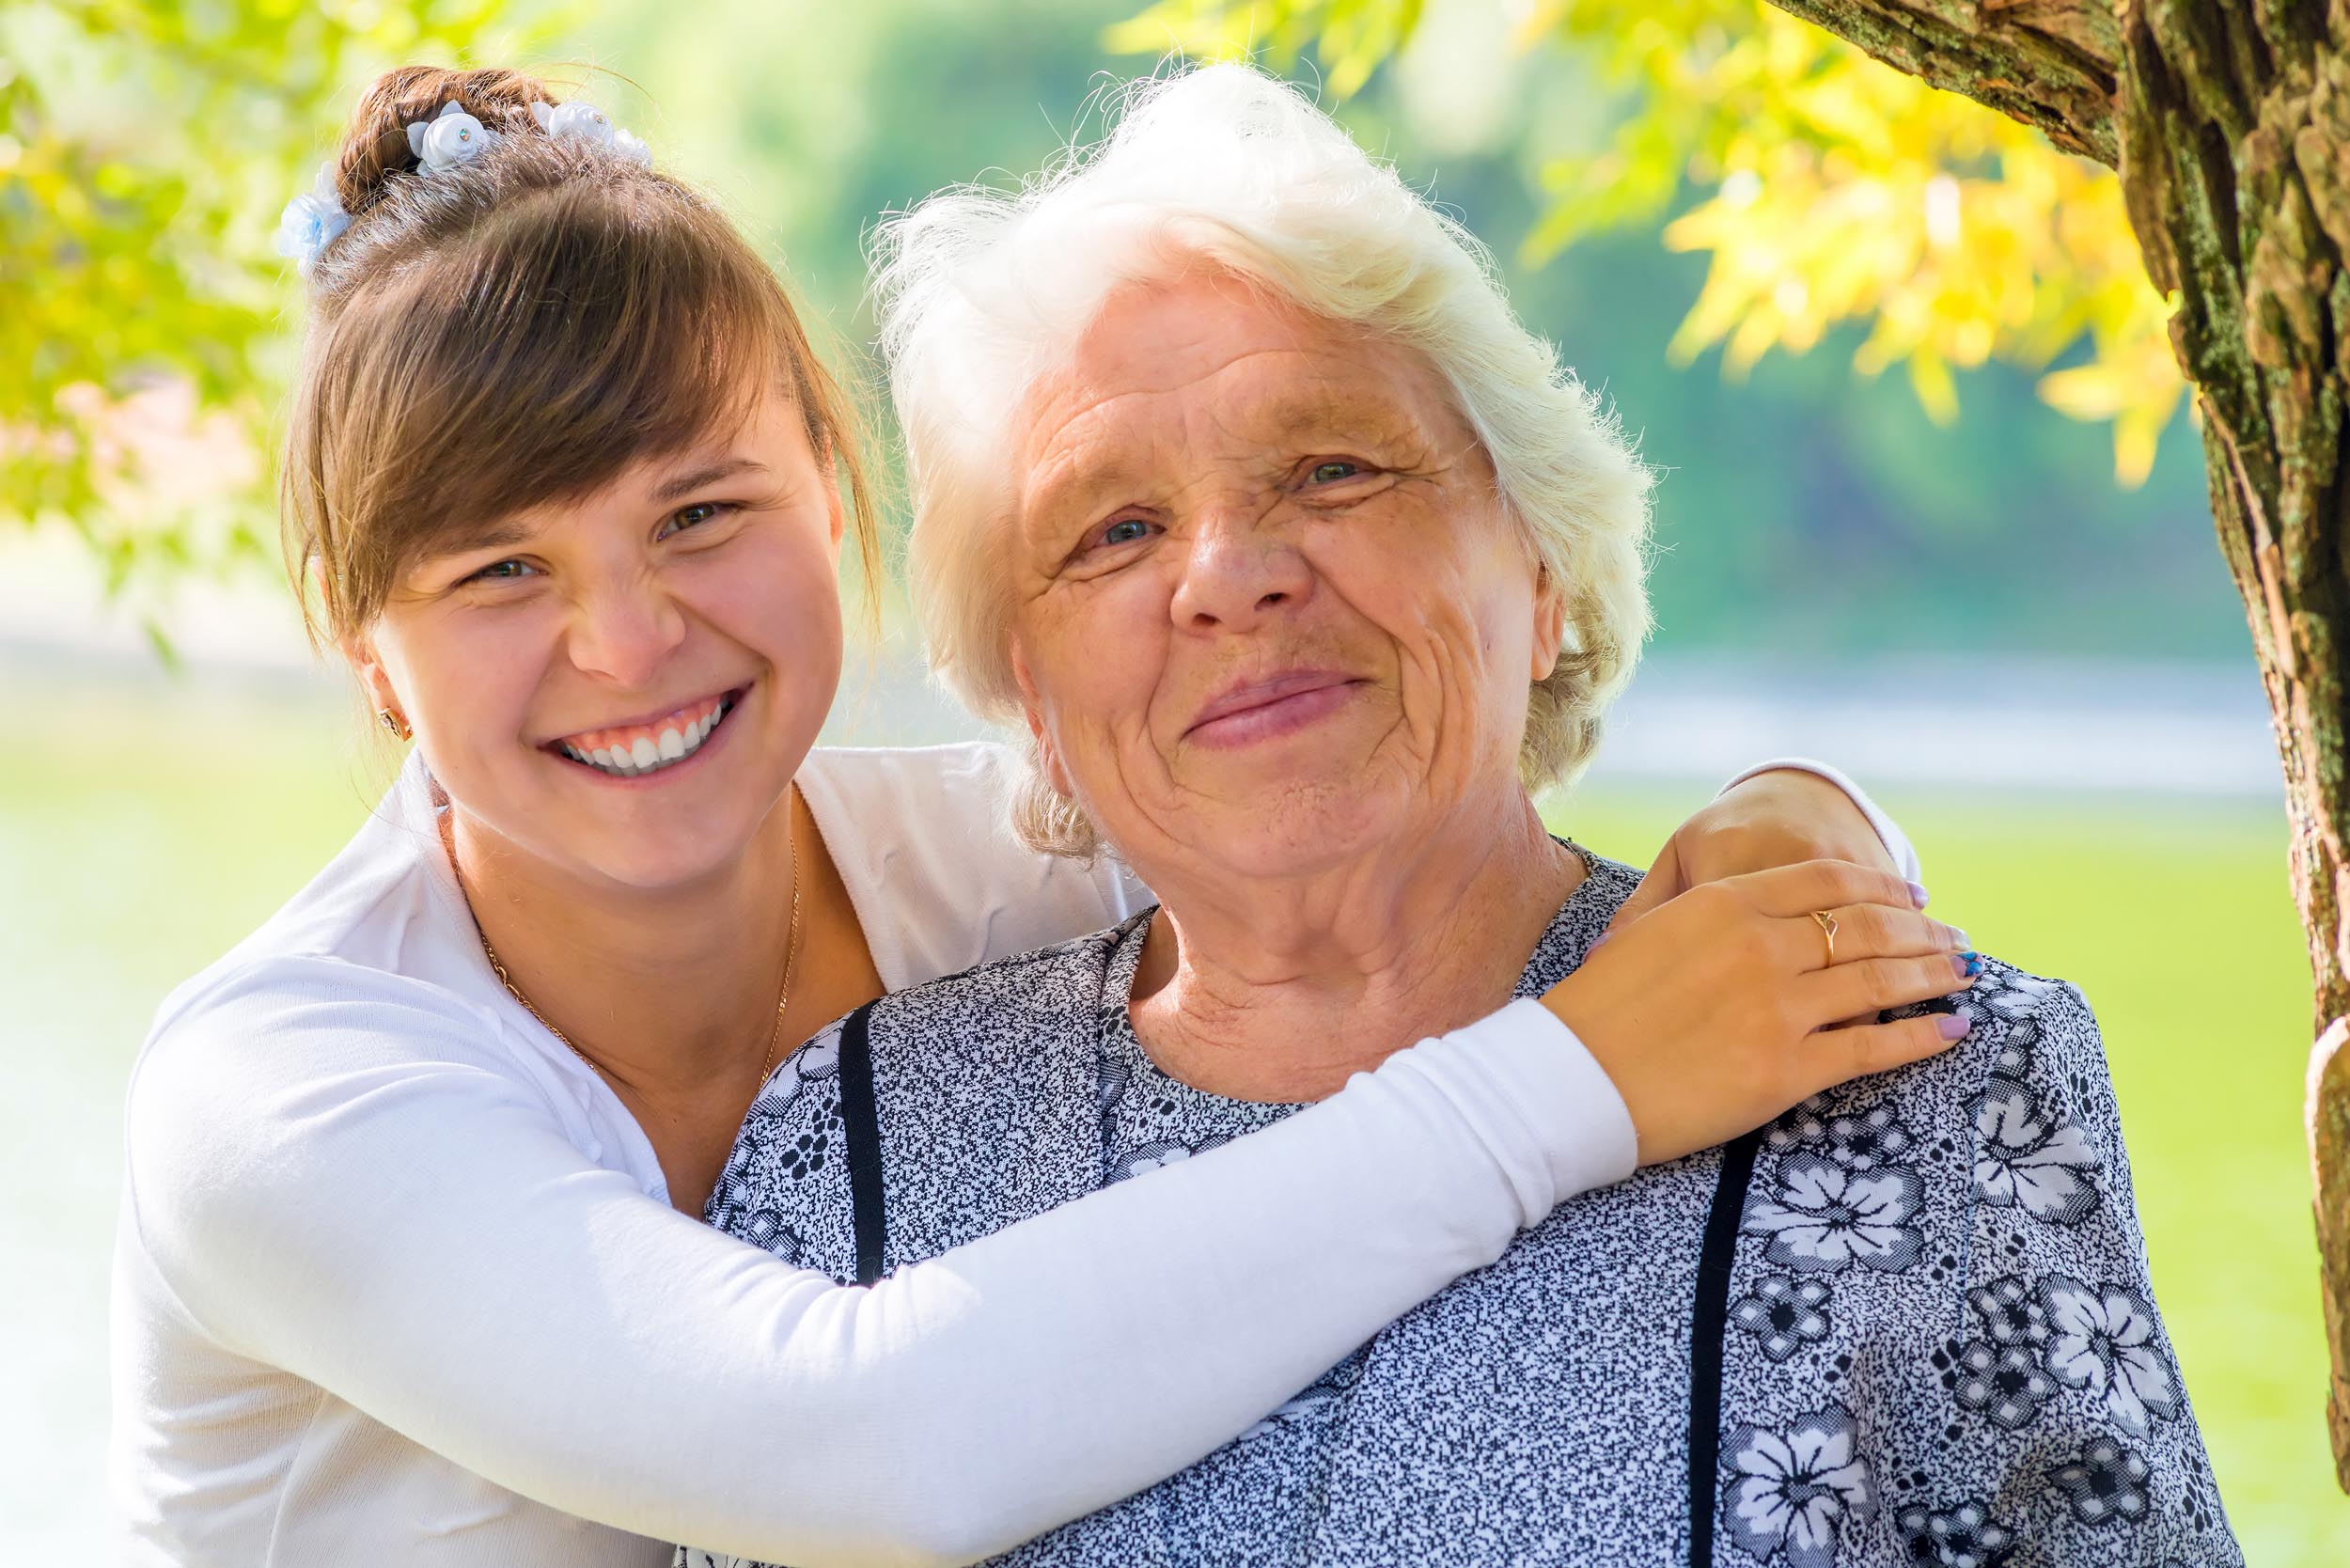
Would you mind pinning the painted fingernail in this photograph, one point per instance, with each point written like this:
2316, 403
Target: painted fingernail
1973, 963
1952, 1026
1918, 894
1958, 939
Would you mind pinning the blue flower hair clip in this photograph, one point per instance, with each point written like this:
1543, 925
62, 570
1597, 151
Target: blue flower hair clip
448, 139
312, 221
583, 119
316, 219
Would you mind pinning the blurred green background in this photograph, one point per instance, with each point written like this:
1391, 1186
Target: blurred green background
1944, 609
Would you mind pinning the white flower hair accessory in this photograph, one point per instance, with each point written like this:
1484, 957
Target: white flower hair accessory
316, 219
312, 221
584, 119
448, 139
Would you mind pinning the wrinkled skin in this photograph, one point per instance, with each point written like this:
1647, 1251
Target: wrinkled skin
1217, 491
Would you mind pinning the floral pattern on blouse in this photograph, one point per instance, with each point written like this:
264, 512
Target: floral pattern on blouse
2062, 1434
1937, 1343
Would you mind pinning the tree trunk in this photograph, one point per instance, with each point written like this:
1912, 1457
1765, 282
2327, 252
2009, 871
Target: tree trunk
2230, 122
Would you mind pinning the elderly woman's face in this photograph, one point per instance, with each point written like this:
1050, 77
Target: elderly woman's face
1268, 606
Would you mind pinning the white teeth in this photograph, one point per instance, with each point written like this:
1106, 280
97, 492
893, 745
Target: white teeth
646, 754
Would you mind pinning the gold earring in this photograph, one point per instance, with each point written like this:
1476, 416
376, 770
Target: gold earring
392, 722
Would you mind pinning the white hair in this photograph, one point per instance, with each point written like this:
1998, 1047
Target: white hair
980, 291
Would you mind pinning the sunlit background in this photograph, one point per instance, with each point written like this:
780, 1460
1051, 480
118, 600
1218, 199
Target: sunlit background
2042, 672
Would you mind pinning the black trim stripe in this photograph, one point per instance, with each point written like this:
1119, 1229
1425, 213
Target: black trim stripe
861, 1129
1709, 1320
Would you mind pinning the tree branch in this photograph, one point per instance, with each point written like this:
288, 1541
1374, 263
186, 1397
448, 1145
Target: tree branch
2049, 63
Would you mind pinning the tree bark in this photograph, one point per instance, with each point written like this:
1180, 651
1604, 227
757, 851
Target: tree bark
2230, 123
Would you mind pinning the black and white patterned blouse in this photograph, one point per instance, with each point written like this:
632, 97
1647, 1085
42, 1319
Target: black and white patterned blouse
1910, 1323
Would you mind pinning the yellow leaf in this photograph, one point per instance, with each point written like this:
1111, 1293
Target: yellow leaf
1929, 377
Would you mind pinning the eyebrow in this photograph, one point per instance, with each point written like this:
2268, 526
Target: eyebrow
682, 485
508, 533
494, 536
1372, 418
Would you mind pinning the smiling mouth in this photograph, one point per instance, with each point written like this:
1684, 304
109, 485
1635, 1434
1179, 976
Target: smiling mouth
637, 750
1263, 708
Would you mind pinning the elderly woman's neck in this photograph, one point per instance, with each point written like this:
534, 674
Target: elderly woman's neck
1280, 990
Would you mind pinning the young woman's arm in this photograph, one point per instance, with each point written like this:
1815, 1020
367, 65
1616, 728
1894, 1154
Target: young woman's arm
331, 1176
330, 1173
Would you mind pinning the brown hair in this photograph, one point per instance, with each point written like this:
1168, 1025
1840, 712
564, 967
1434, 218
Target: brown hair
516, 330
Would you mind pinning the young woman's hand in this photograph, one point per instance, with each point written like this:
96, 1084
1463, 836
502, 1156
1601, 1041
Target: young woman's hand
1715, 1011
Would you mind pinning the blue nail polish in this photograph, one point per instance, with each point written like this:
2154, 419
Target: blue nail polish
1918, 894
1974, 963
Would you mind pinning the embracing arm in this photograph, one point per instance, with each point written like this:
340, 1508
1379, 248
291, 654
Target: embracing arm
333, 1178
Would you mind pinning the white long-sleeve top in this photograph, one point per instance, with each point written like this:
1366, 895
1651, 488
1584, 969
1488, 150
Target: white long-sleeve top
397, 1278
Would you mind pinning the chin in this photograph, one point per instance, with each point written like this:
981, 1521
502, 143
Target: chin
1300, 827
666, 862
646, 842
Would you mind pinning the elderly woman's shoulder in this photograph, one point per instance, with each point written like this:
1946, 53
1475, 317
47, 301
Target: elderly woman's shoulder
2008, 992
2012, 1013
2033, 1050
2012, 1006
2018, 1116
1013, 1004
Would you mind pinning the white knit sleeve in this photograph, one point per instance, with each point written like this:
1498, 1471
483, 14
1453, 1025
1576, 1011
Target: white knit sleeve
333, 1181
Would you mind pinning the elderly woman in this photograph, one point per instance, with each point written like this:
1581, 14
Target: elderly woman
1310, 567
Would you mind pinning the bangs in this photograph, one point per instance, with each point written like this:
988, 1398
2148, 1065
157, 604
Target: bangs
572, 341
577, 345
519, 332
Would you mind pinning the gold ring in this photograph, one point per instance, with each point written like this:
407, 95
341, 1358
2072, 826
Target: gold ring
1828, 928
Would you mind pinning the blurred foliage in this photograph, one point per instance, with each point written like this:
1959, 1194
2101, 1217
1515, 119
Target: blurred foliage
1823, 187
146, 147
805, 118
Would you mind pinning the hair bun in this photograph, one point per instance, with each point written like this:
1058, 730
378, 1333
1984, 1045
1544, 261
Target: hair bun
375, 144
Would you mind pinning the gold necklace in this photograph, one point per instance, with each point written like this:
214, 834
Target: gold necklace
497, 966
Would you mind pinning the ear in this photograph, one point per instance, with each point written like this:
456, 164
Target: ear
1032, 711
1550, 624
359, 650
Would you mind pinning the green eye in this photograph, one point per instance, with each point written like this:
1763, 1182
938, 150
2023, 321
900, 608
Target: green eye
1332, 472
501, 572
694, 515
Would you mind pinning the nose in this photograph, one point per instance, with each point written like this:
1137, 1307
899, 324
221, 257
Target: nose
1239, 569
623, 631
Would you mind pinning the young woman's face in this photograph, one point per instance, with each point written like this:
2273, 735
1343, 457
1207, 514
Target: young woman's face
622, 686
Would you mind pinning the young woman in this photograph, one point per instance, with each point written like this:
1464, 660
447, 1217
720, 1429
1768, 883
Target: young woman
409, 1270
